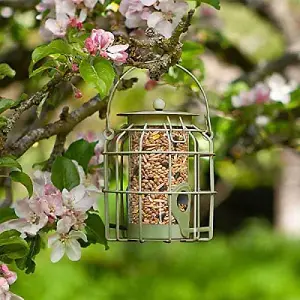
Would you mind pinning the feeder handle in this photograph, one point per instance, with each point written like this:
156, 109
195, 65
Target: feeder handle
109, 133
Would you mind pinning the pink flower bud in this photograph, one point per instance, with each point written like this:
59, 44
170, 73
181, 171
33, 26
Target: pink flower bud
77, 93
150, 84
75, 68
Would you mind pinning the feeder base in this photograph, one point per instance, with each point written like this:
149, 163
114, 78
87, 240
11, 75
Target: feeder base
153, 232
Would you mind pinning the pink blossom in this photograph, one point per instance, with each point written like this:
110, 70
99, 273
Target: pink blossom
135, 13
44, 5
52, 205
77, 199
58, 26
117, 53
97, 173
169, 16
100, 42
262, 93
10, 276
49, 197
4, 287
245, 98
31, 217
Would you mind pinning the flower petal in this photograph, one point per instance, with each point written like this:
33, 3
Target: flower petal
148, 2
90, 3
22, 208
52, 239
154, 19
57, 252
82, 15
73, 250
15, 297
64, 225
165, 28
78, 235
117, 48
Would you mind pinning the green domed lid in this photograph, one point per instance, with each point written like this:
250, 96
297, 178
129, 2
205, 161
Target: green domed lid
158, 116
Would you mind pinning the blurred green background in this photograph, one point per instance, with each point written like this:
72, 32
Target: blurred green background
247, 259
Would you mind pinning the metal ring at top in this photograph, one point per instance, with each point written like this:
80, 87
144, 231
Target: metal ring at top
113, 91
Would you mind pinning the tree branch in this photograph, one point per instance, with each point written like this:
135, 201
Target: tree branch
60, 127
34, 100
58, 150
263, 70
19, 4
158, 54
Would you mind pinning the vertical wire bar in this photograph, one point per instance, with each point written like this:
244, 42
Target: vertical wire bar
106, 187
171, 131
199, 189
212, 188
118, 186
122, 217
196, 188
170, 183
140, 184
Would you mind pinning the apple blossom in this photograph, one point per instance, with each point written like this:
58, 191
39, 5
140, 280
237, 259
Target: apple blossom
77, 199
101, 42
135, 13
280, 89
63, 242
10, 276
96, 178
58, 26
44, 5
31, 217
7, 278
169, 16
275, 88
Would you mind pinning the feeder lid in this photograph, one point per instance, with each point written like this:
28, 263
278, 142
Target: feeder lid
159, 116
158, 106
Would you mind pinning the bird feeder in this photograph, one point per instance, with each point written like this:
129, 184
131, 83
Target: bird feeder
153, 188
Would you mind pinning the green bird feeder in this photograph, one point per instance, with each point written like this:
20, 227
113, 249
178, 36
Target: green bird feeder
153, 188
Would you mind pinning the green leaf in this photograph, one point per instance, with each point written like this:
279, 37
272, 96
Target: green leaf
81, 151
24, 179
27, 263
40, 164
55, 47
9, 162
6, 71
100, 74
214, 3
64, 174
51, 64
95, 230
6, 104
12, 246
6, 214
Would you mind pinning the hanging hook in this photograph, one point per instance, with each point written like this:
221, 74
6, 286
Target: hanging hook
109, 133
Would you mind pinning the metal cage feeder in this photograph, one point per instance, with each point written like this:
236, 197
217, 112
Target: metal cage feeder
153, 190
